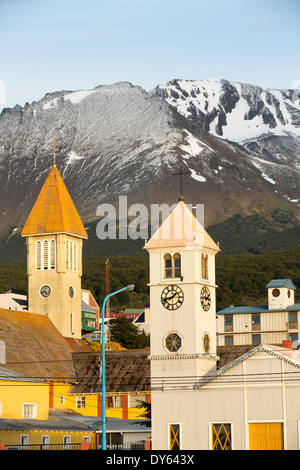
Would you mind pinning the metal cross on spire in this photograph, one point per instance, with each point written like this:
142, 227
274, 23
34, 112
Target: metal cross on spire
180, 173
55, 146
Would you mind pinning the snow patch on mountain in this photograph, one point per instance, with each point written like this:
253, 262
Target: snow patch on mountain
193, 146
76, 96
196, 176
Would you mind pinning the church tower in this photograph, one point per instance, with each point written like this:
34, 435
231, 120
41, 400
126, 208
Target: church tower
182, 301
54, 234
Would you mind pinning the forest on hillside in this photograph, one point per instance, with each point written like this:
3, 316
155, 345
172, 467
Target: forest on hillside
241, 278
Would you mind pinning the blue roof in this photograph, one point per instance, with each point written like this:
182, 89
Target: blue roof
281, 283
86, 308
257, 309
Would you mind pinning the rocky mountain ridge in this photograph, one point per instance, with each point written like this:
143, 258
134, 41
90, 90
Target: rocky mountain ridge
121, 140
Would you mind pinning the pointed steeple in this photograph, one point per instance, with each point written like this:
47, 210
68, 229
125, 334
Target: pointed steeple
181, 228
54, 210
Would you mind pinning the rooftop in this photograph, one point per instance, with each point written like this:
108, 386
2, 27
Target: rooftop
54, 210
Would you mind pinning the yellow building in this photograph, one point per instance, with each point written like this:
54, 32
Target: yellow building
25, 420
42, 397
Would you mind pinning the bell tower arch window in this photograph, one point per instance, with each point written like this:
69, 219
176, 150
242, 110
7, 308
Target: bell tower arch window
172, 265
204, 260
45, 254
71, 255
38, 254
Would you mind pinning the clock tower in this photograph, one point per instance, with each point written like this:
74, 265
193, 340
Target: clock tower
182, 301
54, 234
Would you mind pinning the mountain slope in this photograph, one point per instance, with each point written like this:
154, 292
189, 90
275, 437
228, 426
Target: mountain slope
120, 140
265, 123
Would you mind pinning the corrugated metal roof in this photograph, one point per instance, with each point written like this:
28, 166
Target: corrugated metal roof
76, 423
54, 210
257, 309
34, 347
126, 371
288, 355
281, 283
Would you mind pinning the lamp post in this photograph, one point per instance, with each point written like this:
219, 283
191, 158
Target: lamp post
130, 287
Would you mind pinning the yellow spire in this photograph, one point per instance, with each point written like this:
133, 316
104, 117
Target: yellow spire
54, 210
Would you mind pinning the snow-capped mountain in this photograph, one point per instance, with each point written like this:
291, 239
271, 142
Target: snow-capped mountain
238, 145
266, 123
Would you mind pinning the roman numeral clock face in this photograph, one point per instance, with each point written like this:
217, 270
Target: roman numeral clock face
172, 297
205, 298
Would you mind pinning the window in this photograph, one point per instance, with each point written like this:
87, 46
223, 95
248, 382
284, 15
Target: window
204, 266
228, 341
172, 265
173, 342
29, 411
67, 254
75, 256
174, 436
45, 254
177, 265
256, 339
168, 265
71, 255
255, 321
45, 442
135, 400
52, 254
221, 436
38, 256
293, 320
114, 401
80, 402
228, 323
24, 440
67, 442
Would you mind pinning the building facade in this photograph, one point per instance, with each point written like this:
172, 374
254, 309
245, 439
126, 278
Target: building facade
252, 402
266, 324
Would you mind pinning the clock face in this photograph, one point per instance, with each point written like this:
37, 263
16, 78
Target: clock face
45, 291
205, 298
71, 291
172, 297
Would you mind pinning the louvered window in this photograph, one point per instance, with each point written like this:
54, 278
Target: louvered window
38, 251
71, 255
52, 254
45, 254
67, 254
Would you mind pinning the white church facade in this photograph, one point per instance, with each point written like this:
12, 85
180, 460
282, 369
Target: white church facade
251, 403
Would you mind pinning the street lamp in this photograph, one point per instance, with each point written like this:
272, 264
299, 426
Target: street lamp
130, 287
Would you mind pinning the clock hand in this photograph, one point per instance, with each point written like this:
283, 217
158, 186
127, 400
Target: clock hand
169, 298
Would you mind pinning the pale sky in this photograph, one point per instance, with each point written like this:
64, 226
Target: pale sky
53, 45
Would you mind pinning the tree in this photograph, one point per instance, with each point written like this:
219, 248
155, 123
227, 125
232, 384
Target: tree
126, 333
